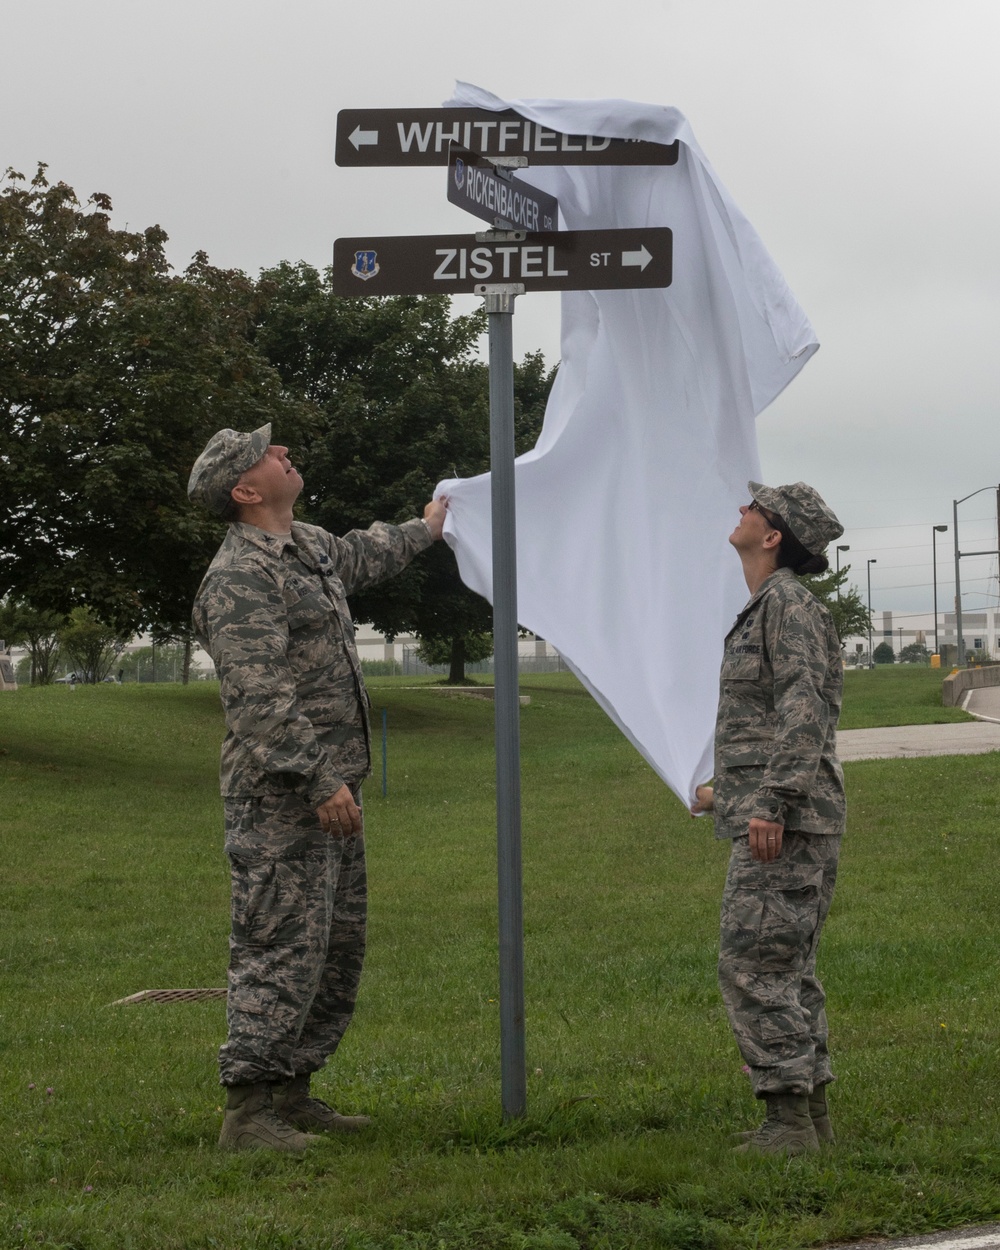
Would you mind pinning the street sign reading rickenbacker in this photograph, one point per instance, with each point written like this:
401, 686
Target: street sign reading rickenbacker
496, 195
450, 264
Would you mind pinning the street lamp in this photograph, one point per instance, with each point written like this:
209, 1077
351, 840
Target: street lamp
935, 530
843, 547
960, 659
871, 657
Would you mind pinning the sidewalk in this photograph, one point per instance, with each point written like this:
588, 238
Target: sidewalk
984, 703
915, 741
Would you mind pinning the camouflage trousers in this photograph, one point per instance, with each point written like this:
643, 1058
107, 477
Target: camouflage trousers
772, 917
299, 901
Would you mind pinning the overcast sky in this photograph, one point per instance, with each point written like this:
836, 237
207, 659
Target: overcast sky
859, 136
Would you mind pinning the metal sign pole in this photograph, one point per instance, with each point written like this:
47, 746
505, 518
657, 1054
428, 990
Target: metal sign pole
960, 652
513, 1071
961, 656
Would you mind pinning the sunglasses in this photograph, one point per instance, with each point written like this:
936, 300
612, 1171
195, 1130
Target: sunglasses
773, 521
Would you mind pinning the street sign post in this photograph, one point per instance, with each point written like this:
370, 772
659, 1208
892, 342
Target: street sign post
526, 253
499, 265
490, 192
450, 264
506, 707
367, 137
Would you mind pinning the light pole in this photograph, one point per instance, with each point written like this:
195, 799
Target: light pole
935, 530
871, 656
843, 547
960, 658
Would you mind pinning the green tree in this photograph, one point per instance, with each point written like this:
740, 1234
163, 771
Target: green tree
404, 402
884, 654
113, 374
38, 632
914, 653
91, 645
456, 653
850, 616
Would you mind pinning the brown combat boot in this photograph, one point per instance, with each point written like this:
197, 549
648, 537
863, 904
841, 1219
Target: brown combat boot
787, 1129
819, 1113
251, 1124
297, 1107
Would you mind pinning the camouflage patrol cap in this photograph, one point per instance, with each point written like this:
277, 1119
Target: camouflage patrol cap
802, 509
220, 466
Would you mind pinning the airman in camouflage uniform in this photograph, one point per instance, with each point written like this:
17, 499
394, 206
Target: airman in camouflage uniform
779, 795
272, 612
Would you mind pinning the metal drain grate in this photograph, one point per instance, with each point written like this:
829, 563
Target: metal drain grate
169, 996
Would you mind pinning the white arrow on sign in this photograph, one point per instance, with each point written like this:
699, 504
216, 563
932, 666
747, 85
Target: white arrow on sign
640, 258
359, 136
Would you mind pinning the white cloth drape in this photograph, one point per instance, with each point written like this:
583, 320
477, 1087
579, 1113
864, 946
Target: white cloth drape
625, 505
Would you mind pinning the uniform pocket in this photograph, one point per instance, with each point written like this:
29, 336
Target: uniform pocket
741, 665
772, 928
307, 610
740, 770
271, 827
267, 840
249, 999
750, 753
268, 901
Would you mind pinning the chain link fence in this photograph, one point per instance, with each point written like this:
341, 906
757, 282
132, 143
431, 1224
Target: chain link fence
413, 666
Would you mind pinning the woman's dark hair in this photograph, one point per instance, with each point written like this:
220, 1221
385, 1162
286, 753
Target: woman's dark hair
792, 555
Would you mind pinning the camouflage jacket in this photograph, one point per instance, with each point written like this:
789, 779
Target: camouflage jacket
775, 737
273, 615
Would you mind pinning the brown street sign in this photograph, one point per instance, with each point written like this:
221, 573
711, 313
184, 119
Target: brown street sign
496, 196
422, 137
455, 264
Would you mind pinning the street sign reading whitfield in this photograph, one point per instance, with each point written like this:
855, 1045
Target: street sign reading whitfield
496, 196
422, 137
455, 264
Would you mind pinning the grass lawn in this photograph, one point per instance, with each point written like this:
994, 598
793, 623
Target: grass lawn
114, 881
895, 694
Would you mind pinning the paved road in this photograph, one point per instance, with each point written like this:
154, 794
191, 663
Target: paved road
982, 1237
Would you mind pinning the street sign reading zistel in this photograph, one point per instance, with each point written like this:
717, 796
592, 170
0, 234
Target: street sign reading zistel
422, 137
455, 264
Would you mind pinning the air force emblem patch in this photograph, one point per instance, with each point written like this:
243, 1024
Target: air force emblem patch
365, 265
